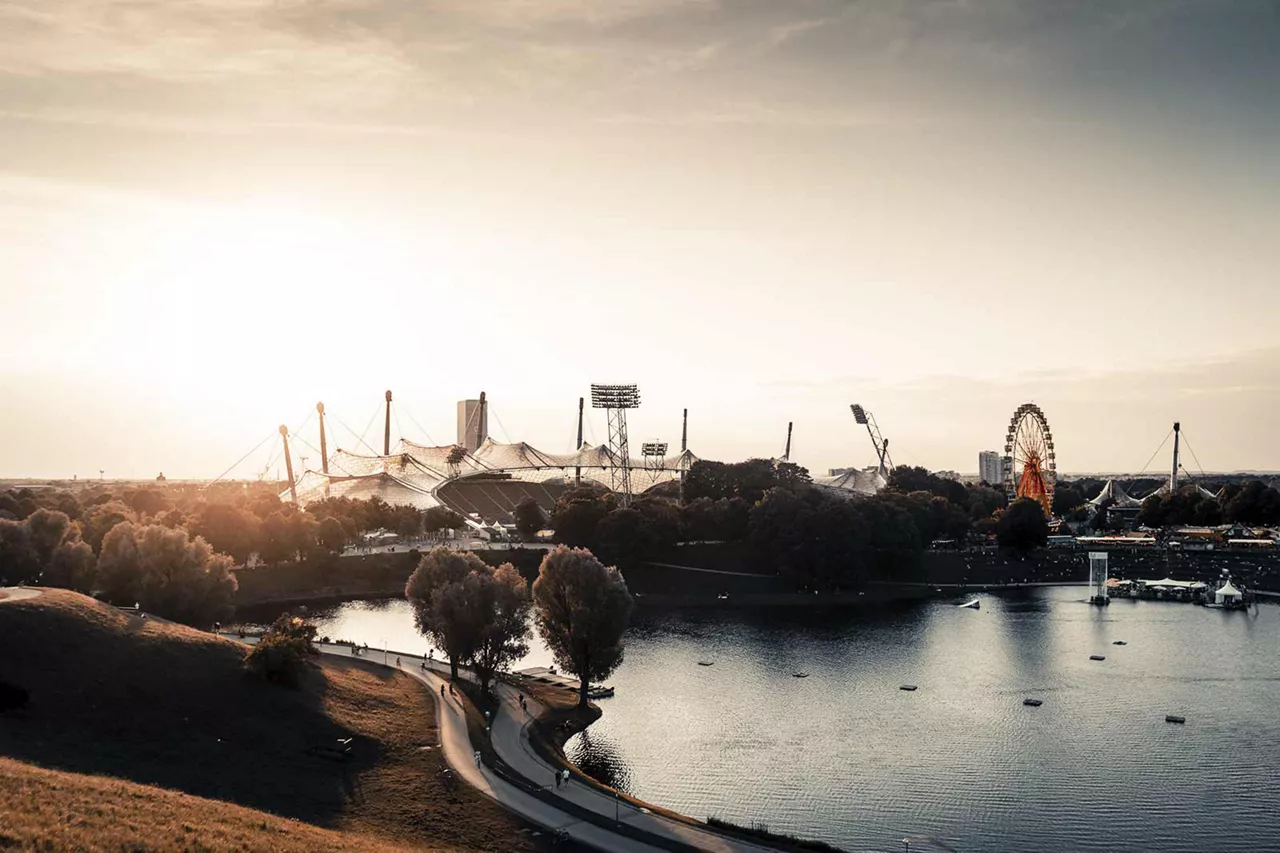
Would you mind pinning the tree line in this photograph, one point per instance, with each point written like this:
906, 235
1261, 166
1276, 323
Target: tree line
171, 550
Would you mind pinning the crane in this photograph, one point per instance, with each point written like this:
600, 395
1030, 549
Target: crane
880, 443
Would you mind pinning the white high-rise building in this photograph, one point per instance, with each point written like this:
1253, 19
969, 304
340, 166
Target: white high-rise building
469, 411
991, 467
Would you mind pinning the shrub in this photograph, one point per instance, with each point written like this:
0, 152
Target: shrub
284, 652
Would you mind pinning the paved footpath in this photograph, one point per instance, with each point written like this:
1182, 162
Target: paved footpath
17, 593
585, 813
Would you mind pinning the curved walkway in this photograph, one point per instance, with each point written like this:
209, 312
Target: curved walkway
526, 786
17, 593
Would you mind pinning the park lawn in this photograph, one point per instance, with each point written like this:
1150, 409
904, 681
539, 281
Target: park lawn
164, 705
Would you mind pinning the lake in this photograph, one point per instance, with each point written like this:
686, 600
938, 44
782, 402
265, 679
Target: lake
845, 756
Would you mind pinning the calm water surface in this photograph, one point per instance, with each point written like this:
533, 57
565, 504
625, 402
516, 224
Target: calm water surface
847, 757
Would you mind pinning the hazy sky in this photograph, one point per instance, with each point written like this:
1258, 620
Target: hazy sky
214, 213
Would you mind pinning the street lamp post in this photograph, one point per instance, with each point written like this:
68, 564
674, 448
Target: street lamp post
616, 807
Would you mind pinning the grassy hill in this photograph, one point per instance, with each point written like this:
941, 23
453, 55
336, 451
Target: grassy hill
164, 705
52, 810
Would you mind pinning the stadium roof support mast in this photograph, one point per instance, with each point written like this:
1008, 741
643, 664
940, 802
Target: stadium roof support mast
786, 454
288, 463
1173, 477
324, 448
480, 421
865, 418
386, 435
577, 471
615, 400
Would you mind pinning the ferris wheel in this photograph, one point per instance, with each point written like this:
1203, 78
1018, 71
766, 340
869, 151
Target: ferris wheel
1030, 465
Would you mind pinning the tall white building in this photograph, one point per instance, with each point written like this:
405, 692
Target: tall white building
991, 467
469, 412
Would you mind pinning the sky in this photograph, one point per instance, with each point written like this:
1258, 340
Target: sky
215, 213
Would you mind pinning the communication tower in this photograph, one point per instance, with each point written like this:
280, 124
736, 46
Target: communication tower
615, 400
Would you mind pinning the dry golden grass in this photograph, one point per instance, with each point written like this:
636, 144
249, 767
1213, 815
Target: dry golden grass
165, 705
52, 810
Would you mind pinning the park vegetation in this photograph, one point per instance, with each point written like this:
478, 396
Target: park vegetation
476, 614
170, 549
285, 651
582, 608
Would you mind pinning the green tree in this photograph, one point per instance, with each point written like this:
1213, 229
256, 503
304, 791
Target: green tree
72, 566
19, 559
166, 573
97, 521
285, 651
332, 535
1023, 527
577, 513
503, 604
438, 519
622, 538
529, 518
229, 529
1254, 503
49, 529
1066, 497
443, 606
146, 502
582, 609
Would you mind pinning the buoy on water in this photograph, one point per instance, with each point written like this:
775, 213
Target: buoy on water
1097, 657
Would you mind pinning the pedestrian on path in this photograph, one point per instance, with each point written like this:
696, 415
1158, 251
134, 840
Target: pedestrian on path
397, 662
442, 691
557, 775
565, 776
477, 758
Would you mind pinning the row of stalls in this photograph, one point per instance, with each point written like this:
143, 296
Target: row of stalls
1227, 596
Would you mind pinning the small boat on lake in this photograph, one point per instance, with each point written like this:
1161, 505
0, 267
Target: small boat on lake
706, 663
800, 674
600, 692
972, 605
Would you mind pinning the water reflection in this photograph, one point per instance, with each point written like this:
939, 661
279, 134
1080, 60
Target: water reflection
845, 756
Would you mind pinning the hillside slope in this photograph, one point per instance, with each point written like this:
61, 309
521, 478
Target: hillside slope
161, 704
53, 810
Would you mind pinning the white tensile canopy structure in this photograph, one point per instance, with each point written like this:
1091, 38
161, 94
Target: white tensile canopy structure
1227, 594
1116, 493
864, 482
415, 474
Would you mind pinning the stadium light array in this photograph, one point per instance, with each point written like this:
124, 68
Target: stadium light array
615, 397
859, 413
654, 448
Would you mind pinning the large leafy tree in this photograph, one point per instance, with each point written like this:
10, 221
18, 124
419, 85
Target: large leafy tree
502, 603
19, 559
443, 606
1023, 527
582, 609
529, 518
230, 529
97, 521
166, 573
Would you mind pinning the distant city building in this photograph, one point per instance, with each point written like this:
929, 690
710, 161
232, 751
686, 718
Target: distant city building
991, 467
469, 412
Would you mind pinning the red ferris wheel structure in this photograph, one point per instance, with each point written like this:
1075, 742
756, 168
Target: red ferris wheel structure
1030, 464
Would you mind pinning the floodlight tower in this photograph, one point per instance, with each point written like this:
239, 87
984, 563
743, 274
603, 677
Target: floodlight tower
386, 435
615, 400
881, 444
655, 453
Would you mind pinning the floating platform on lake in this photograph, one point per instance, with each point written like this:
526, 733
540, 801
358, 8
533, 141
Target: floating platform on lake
1174, 718
907, 687
1032, 703
1097, 657
545, 675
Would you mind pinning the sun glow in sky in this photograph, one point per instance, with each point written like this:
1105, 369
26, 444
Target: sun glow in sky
214, 214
